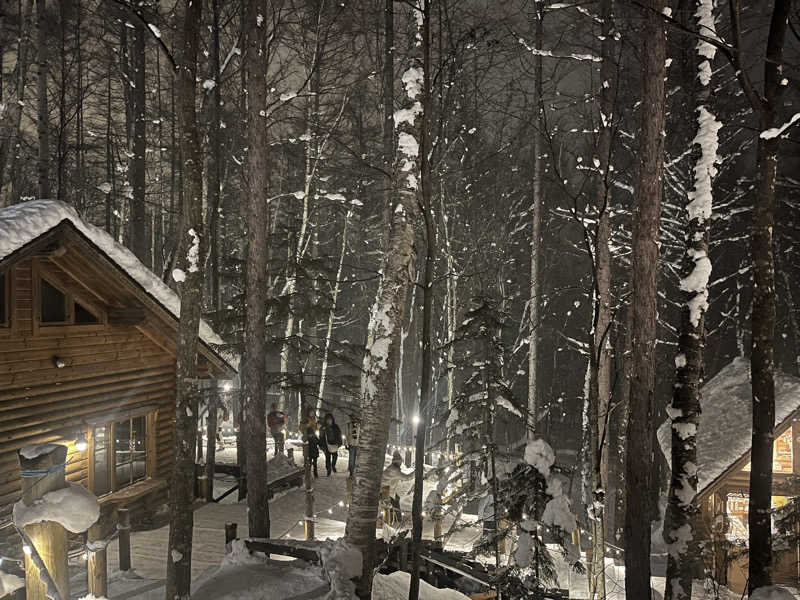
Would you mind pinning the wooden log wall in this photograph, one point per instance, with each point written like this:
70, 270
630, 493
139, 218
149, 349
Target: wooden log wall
109, 369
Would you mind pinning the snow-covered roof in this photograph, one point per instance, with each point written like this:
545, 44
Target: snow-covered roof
724, 433
22, 223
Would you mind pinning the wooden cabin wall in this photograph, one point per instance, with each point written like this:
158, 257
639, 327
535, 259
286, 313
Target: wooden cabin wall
115, 367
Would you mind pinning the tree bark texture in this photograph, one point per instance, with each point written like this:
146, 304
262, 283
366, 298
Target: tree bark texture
644, 266
689, 362
378, 381
537, 190
139, 240
428, 218
179, 557
254, 371
43, 125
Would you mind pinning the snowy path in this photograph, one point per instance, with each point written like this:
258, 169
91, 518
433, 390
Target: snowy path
149, 548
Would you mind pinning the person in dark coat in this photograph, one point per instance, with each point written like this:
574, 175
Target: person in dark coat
308, 428
330, 438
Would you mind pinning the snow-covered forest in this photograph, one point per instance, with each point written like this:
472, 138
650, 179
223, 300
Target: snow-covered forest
531, 268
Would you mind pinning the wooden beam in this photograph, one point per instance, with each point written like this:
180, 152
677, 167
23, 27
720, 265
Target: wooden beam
127, 316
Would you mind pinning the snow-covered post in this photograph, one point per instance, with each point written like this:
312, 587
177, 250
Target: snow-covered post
49, 508
42, 471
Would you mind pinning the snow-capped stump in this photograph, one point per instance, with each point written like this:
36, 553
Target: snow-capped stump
74, 508
48, 509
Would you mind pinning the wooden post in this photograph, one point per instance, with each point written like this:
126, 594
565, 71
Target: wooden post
124, 527
404, 554
408, 458
42, 473
230, 532
202, 486
349, 490
97, 563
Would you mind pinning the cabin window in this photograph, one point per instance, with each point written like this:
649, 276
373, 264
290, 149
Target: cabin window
59, 308
83, 316
119, 454
130, 451
102, 480
53, 303
4, 303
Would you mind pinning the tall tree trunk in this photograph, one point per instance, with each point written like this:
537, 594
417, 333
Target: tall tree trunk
189, 270
377, 386
689, 362
9, 145
388, 119
332, 314
215, 164
79, 156
139, 240
428, 218
254, 370
536, 224
600, 355
644, 266
43, 126
762, 315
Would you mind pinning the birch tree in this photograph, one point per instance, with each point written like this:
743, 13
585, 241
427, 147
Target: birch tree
377, 386
684, 411
537, 190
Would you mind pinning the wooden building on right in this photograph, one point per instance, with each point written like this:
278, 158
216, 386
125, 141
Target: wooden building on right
723, 457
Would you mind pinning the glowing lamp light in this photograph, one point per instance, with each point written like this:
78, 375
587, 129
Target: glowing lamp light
80, 442
27, 549
341, 502
415, 419
227, 386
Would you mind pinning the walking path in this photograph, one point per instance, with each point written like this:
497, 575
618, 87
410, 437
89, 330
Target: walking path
149, 548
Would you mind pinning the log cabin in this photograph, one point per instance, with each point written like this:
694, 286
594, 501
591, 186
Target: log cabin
723, 461
88, 358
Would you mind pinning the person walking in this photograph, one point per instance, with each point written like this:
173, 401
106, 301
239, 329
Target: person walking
308, 429
276, 421
330, 437
353, 429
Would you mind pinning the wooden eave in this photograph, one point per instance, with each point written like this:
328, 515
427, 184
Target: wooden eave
739, 464
67, 248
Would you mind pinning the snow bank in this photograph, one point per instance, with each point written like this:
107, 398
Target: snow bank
395, 587
341, 563
245, 576
74, 507
772, 592
22, 223
10, 583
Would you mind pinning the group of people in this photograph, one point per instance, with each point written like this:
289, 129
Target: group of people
326, 436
